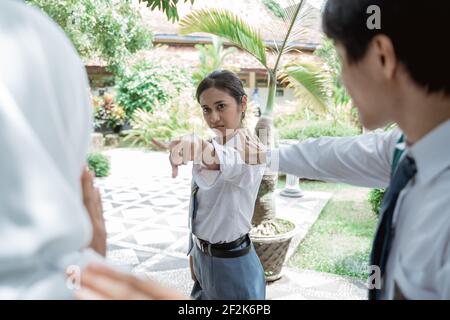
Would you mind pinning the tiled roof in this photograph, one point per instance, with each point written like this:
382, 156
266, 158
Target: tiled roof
253, 12
188, 57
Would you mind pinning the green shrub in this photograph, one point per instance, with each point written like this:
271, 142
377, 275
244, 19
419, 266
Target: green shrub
147, 85
288, 133
111, 30
285, 120
99, 164
375, 199
327, 130
316, 130
177, 117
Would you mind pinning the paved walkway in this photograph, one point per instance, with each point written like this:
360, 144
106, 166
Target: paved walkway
146, 219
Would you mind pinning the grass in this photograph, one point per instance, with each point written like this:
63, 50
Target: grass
293, 128
340, 241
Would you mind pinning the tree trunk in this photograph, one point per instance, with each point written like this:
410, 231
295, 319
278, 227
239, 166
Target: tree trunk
265, 210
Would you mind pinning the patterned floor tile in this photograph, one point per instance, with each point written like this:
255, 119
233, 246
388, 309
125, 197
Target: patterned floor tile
126, 196
165, 201
154, 237
138, 213
114, 226
146, 220
123, 257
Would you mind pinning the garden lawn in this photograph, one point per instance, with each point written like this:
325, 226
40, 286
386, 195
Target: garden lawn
341, 239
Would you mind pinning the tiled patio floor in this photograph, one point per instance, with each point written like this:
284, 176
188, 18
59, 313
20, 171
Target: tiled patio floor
146, 219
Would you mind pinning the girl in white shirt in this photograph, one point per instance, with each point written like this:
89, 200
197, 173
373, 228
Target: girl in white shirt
223, 261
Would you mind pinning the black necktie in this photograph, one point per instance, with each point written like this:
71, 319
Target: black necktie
385, 232
192, 213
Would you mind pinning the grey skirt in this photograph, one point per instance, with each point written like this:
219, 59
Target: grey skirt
240, 278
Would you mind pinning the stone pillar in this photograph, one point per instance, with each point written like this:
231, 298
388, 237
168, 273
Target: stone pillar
252, 81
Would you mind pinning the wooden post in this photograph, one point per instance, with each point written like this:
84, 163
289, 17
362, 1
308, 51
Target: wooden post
252, 81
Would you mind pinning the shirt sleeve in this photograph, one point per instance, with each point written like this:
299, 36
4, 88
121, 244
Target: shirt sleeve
362, 161
232, 169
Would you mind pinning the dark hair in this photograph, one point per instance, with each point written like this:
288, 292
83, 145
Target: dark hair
223, 80
417, 29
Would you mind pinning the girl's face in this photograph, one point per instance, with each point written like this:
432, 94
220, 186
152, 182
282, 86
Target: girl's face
221, 111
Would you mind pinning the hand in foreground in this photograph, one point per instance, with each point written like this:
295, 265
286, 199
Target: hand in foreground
93, 204
99, 282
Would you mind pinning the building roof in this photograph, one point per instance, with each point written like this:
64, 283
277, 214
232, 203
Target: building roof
170, 47
187, 57
254, 12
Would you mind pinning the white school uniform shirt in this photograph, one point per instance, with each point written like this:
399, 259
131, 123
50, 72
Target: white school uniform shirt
419, 259
45, 124
226, 198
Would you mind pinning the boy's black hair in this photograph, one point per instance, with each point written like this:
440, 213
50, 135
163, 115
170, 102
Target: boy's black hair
419, 31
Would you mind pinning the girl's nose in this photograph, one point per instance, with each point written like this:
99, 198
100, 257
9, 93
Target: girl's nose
215, 117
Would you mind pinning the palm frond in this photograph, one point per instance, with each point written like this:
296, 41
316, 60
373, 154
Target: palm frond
310, 84
297, 17
226, 24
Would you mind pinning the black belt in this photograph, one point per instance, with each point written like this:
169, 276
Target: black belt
223, 250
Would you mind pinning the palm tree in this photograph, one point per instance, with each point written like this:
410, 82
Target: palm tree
304, 78
212, 57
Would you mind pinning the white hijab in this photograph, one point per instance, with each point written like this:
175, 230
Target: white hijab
45, 116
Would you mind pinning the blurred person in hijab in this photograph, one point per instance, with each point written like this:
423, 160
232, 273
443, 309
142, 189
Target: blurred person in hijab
50, 218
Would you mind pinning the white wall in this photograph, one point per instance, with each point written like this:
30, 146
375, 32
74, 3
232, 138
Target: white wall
287, 101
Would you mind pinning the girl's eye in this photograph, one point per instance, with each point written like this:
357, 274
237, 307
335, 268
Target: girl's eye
221, 106
205, 110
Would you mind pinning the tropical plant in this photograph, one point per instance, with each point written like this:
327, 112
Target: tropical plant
168, 120
169, 7
341, 105
310, 85
274, 7
111, 30
212, 57
226, 24
99, 164
327, 52
107, 114
375, 199
148, 85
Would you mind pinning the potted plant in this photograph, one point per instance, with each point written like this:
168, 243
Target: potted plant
108, 116
271, 244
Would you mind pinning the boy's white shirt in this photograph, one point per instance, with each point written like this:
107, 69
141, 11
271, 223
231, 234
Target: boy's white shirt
419, 260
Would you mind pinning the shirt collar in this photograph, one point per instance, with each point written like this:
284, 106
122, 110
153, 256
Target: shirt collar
432, 152
232, 142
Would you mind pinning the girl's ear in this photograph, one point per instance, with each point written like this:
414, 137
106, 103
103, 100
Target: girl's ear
244, 103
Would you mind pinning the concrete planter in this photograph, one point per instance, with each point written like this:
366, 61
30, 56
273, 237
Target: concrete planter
272, 251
